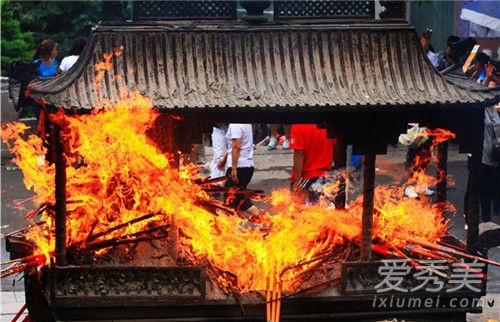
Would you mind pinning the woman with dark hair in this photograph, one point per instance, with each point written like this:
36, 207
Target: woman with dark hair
76, 49
461, 50
45, 58
46, 66
445, 59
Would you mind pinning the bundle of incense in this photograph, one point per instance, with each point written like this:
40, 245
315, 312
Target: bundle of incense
120, 226
204, 181
427, 252
451, 251
36, 257
268, 300
22, 264
22, 230
19, 313
273, 298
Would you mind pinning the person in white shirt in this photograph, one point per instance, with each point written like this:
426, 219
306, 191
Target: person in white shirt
76, 49
219, 148
239, 160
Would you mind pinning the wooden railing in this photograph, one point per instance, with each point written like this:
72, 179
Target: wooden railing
143, 10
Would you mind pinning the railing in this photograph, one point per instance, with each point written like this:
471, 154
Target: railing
143, 10
324, 9
184, 10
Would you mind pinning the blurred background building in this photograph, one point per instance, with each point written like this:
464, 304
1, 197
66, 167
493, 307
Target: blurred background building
479, 19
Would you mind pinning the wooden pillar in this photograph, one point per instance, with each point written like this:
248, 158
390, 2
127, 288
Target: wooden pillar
341, 164
165, 133
443, 165
472, 211
368, 195
177, 140
60, 195
171, 124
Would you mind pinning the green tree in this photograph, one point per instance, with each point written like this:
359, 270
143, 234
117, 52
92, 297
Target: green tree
61, 21
16, 44
26, 23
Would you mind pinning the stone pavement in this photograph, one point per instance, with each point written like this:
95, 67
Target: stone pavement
12, 302
488, 312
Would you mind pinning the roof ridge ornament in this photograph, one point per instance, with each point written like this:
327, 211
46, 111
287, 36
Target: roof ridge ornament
255, 11
393, 9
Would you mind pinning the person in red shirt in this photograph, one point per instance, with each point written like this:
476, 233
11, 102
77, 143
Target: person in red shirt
312, 157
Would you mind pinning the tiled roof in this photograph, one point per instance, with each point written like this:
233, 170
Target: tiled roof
322, 66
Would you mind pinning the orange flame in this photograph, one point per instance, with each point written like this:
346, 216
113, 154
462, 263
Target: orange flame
116, 173
419, 176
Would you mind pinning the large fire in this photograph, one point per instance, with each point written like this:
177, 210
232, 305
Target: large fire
120, 185
116, 173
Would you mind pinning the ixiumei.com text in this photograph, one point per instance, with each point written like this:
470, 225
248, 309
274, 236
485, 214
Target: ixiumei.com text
384, 302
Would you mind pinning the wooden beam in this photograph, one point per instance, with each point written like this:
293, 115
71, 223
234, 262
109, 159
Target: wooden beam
368, 195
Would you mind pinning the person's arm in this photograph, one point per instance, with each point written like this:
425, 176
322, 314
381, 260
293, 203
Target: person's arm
298, 163
235, 154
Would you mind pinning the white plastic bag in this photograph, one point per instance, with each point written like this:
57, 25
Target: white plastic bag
414, 137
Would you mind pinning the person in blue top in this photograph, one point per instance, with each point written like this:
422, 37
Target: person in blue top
45, 58
46, 66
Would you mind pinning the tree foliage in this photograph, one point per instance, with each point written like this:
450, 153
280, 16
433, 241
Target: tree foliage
16, 44
61, 21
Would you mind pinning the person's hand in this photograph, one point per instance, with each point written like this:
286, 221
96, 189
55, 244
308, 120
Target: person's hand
222, 164
222, 161
234, 175
489, 69
299, 196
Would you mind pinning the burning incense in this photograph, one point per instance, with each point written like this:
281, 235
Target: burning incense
125, 224
19, 313
210, 181
278, 305
452, 251
23, 264
21, 230
273, 298
268, 300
